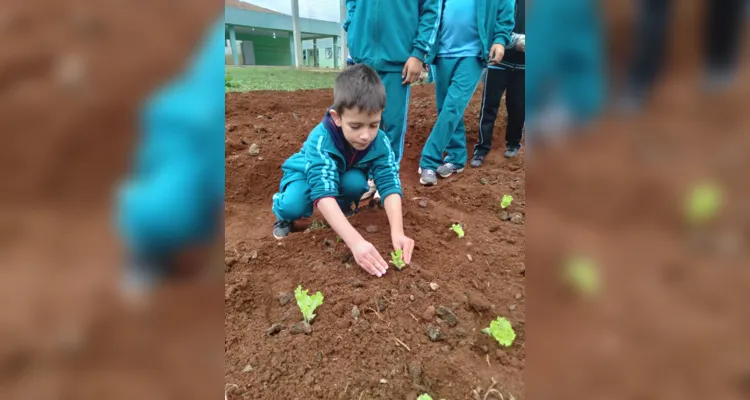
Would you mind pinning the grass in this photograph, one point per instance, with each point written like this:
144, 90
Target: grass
245, 79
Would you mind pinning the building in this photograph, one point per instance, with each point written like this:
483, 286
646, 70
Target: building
259, 36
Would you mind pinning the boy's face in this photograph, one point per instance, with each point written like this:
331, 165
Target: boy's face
360, 127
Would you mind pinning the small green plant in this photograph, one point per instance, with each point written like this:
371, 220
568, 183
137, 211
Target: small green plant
581, 273
424, 396
506, 200
229, 82
318, 224
502, 331
458, 229
703, 203
307, 304
397, 259
338, 239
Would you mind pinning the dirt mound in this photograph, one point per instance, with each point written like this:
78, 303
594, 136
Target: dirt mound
370, 337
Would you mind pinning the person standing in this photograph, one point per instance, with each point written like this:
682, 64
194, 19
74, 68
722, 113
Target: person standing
510, 77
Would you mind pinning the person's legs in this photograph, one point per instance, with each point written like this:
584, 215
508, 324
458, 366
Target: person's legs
293, 202
352, 185
462, 77
396, 111
724, 33
496, 80
515, 102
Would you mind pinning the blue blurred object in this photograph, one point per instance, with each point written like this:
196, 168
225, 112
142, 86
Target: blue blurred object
565, 68
174, 196
349, 60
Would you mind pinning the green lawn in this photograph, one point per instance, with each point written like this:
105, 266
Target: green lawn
244, 79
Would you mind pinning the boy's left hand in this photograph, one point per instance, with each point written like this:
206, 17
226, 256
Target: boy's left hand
402, 242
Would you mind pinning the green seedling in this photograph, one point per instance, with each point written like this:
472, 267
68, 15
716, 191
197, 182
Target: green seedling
307, 304
424, 396
703, 203
338, 239
581, 273
318, 224
502, 331
458, 229
397, 259
506, 200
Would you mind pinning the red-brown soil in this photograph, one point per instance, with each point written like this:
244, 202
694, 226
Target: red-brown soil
345, 358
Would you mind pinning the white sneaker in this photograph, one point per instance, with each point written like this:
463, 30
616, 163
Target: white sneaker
370, 192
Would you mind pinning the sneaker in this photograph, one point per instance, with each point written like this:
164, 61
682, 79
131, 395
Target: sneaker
371, 191
477, 161
448, 169
512, 151
428, 177
281, 228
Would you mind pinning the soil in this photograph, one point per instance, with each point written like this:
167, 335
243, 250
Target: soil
346, 357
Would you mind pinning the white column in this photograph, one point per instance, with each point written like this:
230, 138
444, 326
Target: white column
344, 44
296, 36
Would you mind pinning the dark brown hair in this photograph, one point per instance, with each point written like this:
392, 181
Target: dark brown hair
360, 87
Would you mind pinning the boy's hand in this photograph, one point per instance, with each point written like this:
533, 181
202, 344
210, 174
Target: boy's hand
368, 258
401, 242
497, 51
412, 70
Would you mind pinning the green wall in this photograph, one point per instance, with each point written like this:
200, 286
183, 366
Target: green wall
269, 51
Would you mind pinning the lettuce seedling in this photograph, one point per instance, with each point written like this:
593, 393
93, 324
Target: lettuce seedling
307, 304
397, 259
424, 396
502, 331
506, 200
703, 203
458, 229
582, 274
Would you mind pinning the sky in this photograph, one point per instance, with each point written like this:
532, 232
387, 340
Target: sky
326, 10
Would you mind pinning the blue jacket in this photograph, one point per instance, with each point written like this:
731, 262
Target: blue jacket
496, 20
383, 34
173, 196
326, 154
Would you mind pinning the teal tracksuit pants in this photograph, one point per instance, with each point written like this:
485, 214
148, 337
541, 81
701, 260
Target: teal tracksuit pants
456, 79
396, 111
293, 202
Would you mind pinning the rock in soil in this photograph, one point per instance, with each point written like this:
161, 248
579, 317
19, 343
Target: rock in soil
372, 229
301, 327
357, 283
484, 181
434, 333
381, 304
460, 332
516, 218
274, 329
434, 286
447, 315
254, 150
429, 314
285, 298
247, 368
504, 216
423, 203
518, 296
411, 297
355, 312
478, 302
468, 256
359, 298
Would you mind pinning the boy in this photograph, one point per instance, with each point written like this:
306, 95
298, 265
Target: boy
471, 32
170, 209
510, 74
330, 171
395, 38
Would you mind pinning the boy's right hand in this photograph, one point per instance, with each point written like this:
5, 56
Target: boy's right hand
368, 258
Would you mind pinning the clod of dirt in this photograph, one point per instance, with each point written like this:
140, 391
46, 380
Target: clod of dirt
411, 297
468, 256
355, 312
460, 332
494, 228
274, 329
434, 286
301, 327
359, 298
518, 296
230, 261
477, 302
343, 323
484, 181
247, 368
446, 349
503, 216
260, 158
411, 396
429, 314
434, 333
516, 218
423, 203
447, 315
371, 229
484, 349
512, 307
357, 283
285, 298
501, 356
383, 381
381, 304
254, 150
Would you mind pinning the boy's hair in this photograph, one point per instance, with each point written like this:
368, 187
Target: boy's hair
358, 86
